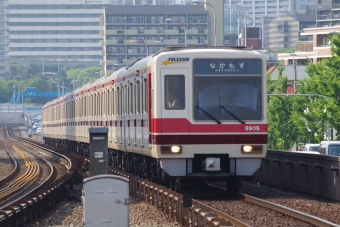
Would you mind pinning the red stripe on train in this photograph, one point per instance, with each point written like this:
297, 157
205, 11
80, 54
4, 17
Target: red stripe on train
182, 125
209, 139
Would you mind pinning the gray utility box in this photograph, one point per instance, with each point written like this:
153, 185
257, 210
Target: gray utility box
106, 201
98, 151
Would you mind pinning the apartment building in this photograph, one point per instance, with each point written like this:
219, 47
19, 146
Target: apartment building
4, 64
63, 31
147, 2
316, 50
132, 32
329, 15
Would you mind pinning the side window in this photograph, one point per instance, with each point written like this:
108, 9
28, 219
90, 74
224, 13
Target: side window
146, 92
174, 92
119, 97
137, 97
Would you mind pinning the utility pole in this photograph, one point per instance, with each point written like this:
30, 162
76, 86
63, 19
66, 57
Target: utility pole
295, 75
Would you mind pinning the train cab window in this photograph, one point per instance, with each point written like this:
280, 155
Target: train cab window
228, 89
174, 92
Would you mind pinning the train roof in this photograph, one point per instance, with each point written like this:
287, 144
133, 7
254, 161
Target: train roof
143, 62
177, 48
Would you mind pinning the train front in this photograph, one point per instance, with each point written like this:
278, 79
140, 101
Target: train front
210, 116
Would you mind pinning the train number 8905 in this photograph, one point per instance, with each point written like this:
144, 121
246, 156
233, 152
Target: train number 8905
252, 128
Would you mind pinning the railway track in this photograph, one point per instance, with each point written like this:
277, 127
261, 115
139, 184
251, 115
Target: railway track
15, 169
22, 182
33, 180
201, 213
307, 219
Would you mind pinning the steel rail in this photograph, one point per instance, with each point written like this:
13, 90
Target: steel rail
226, 217
288, 211
24, 181
30, 183
284, 210
13, 172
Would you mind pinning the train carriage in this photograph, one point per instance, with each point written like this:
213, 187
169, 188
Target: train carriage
184, 112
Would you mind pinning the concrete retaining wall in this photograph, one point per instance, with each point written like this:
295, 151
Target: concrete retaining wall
307, 173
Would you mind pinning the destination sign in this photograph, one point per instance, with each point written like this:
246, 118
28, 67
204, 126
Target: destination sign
227, 66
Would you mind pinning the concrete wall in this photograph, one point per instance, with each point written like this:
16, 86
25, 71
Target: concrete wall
11, 118
307, 173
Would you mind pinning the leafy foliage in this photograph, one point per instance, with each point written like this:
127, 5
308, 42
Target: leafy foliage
281, 128
32, 75
304, 118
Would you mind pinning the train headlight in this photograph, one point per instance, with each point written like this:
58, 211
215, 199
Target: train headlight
251, 149
171, 149
175, 149
247, 148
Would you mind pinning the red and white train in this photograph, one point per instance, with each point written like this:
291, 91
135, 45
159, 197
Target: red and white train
184, 112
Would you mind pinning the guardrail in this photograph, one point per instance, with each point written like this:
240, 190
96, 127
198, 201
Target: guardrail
33, 206
308, 173
179, 207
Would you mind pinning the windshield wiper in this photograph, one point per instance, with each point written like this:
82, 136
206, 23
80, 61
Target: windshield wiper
208, 114
231, 114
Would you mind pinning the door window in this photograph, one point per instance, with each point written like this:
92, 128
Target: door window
174, 92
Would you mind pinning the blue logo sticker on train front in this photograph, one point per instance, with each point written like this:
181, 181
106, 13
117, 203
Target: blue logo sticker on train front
175, 61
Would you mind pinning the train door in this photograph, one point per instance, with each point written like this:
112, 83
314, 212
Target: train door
174, 101
120, 116
124, 116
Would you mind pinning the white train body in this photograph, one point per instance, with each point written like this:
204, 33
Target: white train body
198, 111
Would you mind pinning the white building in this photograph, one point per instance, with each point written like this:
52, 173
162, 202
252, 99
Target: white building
67, 30
4, 65
63, 31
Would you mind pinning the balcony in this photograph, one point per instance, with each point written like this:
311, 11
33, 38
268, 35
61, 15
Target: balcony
101, 20
192, 31
111, 42
171, 32
102, 32
112, 62
304, 46
172, 42
150, 32
102, 52
192, 42
111, 32
323, 17
336, 16
102, 43
131, 32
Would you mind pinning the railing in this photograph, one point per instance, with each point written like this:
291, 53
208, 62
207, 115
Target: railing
185, 211
11, 108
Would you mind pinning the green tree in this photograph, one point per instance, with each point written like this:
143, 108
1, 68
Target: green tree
84, 75
325, 80
281, 128
17, 70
